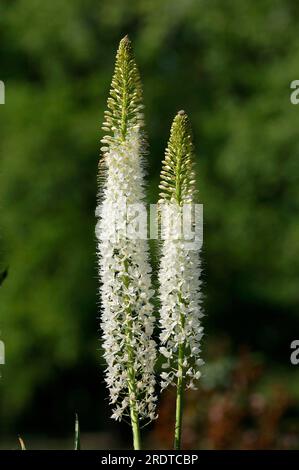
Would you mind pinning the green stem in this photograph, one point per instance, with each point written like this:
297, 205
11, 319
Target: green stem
132, 390
179, 399
131, 377
180, 388
135, 425
181, 353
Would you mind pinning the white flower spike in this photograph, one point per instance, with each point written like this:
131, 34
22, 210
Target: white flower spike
179, 273
125, 273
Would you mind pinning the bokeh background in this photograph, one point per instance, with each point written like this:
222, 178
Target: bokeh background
229, 65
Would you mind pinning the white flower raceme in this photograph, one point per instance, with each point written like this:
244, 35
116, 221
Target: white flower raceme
125, 273
179, 272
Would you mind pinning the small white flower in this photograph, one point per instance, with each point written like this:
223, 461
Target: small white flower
165, 352
117, 414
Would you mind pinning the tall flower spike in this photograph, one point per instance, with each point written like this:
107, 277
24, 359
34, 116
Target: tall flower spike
125, 273
179, 273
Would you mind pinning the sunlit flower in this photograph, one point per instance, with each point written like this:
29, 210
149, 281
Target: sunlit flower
179, 273
125, 273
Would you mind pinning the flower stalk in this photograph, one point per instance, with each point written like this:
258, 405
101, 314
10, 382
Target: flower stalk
179, 272
127, 320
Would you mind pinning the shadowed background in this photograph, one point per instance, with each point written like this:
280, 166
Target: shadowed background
229, 65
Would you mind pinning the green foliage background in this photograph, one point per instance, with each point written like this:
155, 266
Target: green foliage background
229, 65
